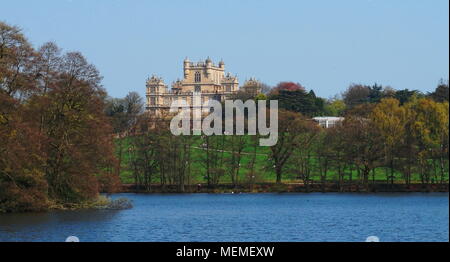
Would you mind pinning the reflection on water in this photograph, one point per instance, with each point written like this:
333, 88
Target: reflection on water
244, 217
43, 226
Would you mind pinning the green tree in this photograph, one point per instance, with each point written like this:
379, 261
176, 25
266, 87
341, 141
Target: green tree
389, 119
293, 97
441, 93
406, 95
429, 129
336, 107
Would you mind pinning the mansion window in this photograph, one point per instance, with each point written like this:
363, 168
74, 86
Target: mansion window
152, 100
228, 88
198, 89
198, 77
152, 89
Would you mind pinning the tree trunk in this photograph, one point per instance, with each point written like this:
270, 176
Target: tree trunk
278, 172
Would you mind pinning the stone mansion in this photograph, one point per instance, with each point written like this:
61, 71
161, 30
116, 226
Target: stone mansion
205, 78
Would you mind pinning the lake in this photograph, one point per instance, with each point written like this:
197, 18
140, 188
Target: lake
244, 217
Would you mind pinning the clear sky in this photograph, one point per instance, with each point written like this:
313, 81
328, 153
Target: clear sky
325, 45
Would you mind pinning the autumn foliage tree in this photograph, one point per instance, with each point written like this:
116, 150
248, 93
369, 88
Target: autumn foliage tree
55, 142
389, 120
428, 128
22, 179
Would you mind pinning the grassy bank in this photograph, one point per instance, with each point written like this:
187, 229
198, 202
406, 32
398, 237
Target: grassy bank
287, 188
264, 173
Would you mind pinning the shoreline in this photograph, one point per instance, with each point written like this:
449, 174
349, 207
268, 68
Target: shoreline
287, 188
105, 202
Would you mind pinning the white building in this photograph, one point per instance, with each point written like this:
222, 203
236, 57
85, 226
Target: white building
327, 121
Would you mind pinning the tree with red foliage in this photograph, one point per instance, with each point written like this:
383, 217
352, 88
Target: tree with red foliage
293, 97
286, 86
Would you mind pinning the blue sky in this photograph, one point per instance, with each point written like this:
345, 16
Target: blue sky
325, 45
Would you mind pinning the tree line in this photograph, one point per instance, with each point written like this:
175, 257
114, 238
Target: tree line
380, 138
56, 143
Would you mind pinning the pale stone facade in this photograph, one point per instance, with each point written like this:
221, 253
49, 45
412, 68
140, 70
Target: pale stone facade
252, 86
204, 77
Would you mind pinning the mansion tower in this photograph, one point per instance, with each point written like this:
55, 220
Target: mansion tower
205, 78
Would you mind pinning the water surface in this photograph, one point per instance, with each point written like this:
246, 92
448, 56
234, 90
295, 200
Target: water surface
244, 217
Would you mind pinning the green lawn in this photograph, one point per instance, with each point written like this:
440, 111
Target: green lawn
264, 174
